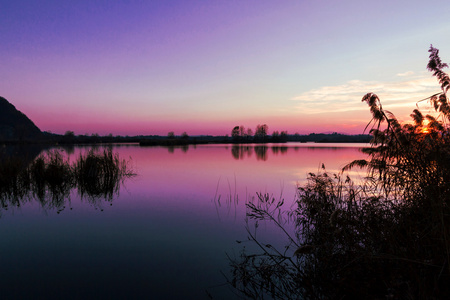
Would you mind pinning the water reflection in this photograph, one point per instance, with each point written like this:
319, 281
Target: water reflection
261, 152
171, 148
242, 151
50, 178
168, 223
281, 150
25, 153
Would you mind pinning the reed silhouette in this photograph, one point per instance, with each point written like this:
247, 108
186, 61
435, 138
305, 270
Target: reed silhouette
385, 236
50, 178
100, 175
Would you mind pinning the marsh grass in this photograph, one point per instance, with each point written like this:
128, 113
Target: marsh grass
100, 174
13, 181
387, 237
50, 178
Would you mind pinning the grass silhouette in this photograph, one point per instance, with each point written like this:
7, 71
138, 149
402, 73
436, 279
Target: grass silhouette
50, 178
385, 236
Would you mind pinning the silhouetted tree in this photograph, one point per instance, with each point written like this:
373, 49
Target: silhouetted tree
261, 132
283, 136
275, 136
235, 133
68, 137
69, 134
249, 133
171, 135
242, 131
279, 137
275, 133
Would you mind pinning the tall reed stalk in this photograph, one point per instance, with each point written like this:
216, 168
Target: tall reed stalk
100, 174
387, 237
50, 178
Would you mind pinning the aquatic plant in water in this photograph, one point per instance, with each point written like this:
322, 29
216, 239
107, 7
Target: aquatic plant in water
385, 237
50, 178
100, 174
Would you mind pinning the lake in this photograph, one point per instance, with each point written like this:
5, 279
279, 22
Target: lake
168, 231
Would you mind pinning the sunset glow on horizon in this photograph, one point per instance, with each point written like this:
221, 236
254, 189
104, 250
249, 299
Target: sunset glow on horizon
203, 67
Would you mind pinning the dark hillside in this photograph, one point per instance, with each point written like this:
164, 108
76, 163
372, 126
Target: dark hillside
15, 126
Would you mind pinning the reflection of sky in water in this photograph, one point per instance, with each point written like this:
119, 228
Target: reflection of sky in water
167, 234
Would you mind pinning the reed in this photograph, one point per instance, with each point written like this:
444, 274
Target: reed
13, 180
50, 178
385, 237
100, 174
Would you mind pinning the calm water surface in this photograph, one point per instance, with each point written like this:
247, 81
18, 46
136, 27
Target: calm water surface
168, 232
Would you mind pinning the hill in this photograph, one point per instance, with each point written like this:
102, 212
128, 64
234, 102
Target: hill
16, 126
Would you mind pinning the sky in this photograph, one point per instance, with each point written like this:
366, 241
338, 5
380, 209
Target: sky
203, 67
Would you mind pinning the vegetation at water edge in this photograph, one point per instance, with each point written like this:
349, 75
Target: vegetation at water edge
386, 236
50, 178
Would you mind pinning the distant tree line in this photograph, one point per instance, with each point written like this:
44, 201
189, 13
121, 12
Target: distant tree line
240, 134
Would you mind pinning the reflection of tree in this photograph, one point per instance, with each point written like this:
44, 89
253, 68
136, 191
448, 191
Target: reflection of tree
171, 148
261, 152
69, 148
239, 151
50, 178
279, 149
24, 153
236, 152
275, 149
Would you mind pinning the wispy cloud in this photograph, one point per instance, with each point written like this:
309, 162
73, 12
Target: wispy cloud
347, 97
404, 74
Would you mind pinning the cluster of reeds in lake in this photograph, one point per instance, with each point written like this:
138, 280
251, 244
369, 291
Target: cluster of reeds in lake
384, 237
51, 177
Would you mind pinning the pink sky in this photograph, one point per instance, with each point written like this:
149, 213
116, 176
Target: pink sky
205, 67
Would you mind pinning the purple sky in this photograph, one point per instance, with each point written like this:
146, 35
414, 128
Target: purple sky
150, 67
